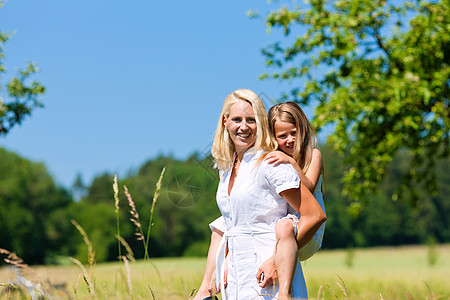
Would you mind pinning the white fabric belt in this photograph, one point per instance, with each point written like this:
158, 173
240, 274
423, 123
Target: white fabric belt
221, 253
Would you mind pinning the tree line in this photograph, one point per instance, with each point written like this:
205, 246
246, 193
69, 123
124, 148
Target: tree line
36, 213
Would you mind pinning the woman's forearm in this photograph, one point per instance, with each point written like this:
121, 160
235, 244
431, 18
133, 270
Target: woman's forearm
210, 268
312, 216
307, 228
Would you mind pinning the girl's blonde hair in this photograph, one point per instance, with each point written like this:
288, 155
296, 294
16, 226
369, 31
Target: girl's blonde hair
305, 138
223, 148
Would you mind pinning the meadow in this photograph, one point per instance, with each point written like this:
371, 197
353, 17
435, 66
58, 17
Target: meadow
373, 273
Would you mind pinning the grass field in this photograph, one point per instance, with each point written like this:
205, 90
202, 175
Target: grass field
376, 273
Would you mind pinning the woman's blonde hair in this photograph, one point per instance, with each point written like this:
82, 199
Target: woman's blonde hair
305, 139
223, 148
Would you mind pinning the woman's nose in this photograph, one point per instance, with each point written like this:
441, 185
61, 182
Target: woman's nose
244, 125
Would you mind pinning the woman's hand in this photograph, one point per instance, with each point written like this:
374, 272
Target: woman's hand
278, 157
267, 273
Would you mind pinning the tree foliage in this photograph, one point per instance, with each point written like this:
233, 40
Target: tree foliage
383, 221
32, 209
379, 72
22, 94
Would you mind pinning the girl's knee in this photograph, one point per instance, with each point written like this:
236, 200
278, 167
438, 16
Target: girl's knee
285, 229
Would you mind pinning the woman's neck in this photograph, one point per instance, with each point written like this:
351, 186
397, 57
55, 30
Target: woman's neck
241, 152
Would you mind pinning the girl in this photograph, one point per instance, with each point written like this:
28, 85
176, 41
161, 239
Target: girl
296, 141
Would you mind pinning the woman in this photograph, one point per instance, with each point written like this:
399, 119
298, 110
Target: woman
252, 196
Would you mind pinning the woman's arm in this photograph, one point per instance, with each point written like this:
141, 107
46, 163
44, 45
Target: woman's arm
312, 215
207, 284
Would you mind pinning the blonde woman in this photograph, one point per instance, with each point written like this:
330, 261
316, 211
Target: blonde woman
252, 196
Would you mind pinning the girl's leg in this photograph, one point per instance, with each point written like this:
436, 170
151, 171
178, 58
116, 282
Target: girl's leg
285, 256
206, 286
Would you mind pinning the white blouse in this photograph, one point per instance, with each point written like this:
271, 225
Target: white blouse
313, 245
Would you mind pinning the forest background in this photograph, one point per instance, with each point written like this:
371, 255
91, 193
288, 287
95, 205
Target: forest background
36, 213
376, 71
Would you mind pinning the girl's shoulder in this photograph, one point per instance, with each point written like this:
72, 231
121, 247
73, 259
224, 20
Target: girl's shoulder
316, 154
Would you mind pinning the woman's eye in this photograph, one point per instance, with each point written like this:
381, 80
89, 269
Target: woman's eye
251, 120
237, 120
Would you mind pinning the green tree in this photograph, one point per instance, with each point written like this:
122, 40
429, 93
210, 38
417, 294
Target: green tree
185, 207
22, 94
379, 72
31, 209
98, 220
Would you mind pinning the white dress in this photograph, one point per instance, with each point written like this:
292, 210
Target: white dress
250, 213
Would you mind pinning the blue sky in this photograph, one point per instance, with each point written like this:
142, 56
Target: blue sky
129, 80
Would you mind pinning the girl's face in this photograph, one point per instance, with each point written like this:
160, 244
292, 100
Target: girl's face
285, 134
241, 126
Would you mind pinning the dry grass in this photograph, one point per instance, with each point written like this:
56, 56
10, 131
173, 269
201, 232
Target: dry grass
380, 273
377, 273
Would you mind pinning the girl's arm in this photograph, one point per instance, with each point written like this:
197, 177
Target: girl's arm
311, 177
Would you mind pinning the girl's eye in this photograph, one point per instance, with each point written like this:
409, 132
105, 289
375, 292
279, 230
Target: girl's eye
294, 133
283, 136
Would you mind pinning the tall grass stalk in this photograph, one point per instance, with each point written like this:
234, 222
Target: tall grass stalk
343, 287
155, 198
75, 286
128, 275
135, 219
13, 259
88, 277
130, 254
116, 204
91, 252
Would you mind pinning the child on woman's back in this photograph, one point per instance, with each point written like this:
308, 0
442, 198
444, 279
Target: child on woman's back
296, 141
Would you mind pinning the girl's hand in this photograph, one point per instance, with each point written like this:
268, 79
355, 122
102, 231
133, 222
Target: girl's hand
278, 157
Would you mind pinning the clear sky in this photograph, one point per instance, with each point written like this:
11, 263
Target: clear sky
129, 80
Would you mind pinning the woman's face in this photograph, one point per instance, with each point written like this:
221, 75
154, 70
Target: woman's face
285, 134
241, 125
